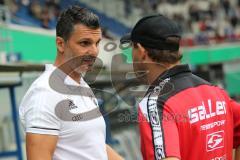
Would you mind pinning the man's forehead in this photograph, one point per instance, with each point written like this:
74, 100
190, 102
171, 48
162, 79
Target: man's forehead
85, 31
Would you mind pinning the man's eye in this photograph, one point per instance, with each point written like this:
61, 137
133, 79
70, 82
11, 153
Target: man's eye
84, 43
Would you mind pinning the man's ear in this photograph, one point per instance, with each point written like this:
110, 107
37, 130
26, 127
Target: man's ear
142, 52
60, 43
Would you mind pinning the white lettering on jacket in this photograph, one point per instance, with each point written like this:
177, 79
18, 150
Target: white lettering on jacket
203, 111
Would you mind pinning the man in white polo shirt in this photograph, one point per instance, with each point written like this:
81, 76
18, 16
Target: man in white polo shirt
59, 111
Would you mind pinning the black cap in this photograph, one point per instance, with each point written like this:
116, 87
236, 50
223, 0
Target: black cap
153, 32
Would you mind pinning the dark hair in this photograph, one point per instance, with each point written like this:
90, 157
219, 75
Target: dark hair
72, 16
164, 56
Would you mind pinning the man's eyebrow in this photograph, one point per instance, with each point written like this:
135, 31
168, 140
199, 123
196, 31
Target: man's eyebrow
89, 39
86, 39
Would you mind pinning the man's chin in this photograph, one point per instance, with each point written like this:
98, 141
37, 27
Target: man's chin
142, 80
83, 71
141, 76
89, 68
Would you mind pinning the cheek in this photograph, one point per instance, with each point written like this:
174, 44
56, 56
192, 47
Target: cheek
77, 50
135, 60
136, 64
134, 55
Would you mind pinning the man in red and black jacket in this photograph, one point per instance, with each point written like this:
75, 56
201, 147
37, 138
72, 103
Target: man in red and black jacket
181, 116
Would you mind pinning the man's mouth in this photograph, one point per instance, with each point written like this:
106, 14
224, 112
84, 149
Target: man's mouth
89, 60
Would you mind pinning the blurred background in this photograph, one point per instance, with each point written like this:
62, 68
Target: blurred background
210, 44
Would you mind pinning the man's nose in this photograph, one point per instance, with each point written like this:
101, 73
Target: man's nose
94, 50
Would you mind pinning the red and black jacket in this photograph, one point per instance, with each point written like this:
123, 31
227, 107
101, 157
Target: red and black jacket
186, 117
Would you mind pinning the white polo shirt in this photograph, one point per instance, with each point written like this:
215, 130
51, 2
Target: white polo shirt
77, 140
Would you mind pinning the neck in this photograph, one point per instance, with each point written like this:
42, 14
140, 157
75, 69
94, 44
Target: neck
157, 70
65, 68
75, 76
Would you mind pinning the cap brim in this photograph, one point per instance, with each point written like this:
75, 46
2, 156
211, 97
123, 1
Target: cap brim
126, 38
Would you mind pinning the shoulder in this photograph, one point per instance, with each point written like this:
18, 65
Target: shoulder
40, 94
